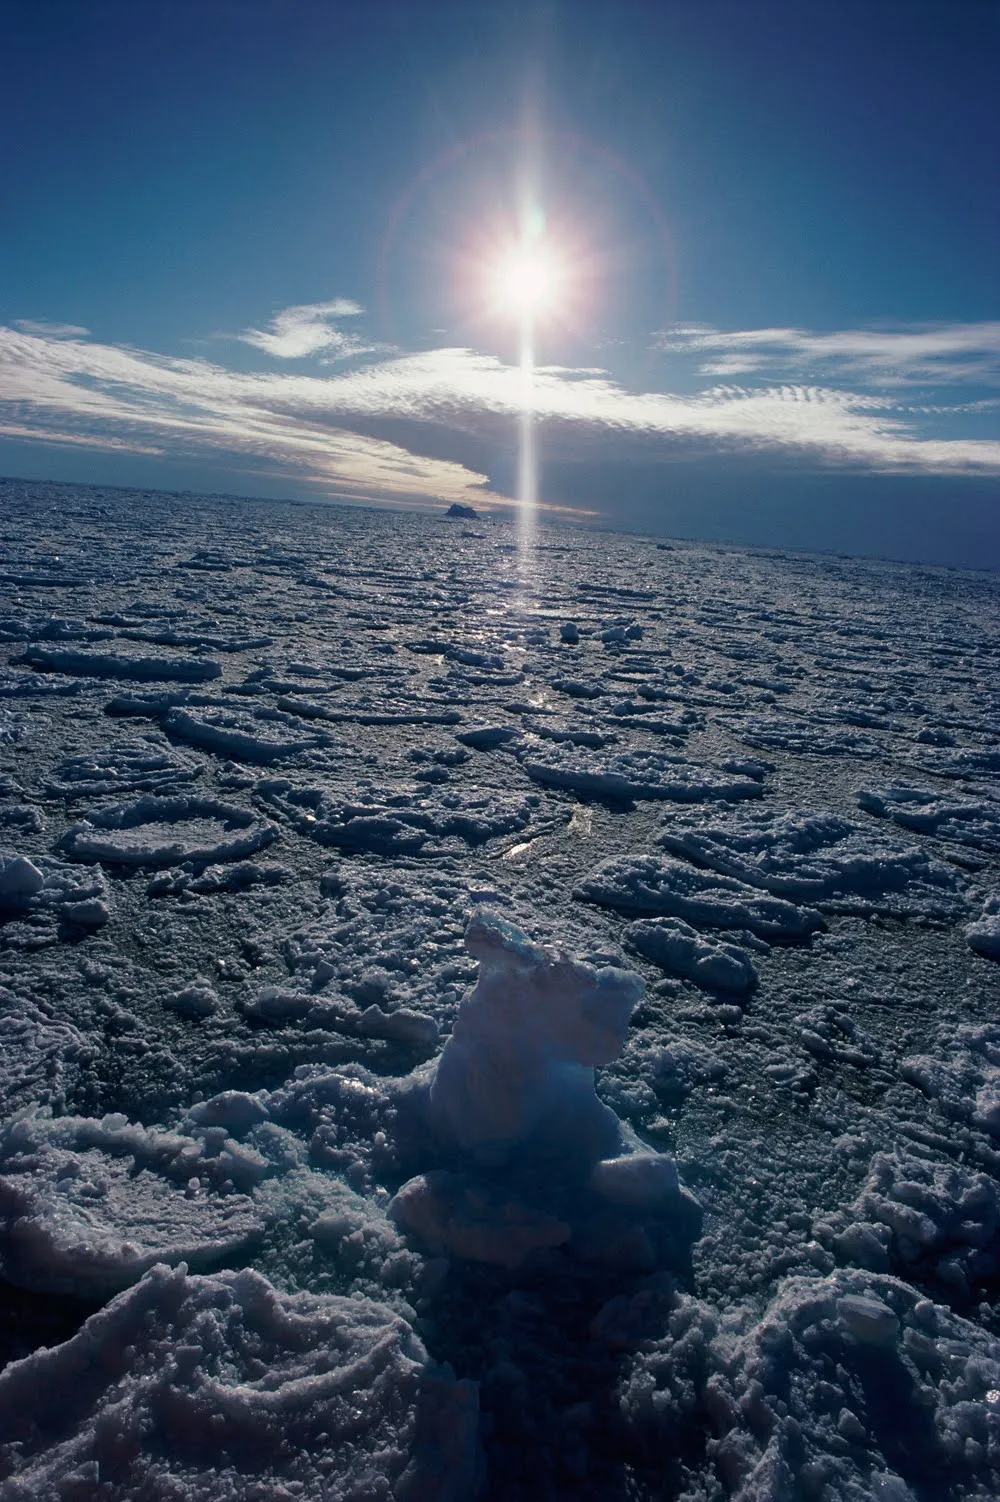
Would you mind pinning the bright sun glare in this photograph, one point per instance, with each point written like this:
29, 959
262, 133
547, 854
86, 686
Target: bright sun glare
529, 280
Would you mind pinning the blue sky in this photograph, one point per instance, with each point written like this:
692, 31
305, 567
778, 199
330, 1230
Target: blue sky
243, 250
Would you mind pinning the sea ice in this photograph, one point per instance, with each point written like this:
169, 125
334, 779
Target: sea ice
680, 950
821, 859
984, 934
111, 665
636, 774
222, 1387
223, 1072
536, 1160
155, 831
660, 885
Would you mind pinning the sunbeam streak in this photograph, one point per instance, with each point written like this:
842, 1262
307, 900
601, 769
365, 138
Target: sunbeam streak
529, 281
527, 464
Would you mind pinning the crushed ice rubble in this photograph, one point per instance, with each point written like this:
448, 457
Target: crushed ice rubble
473, 1037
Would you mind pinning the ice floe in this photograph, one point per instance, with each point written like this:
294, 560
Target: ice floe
821, 859
659, 885
259, 737
87, 1206
801, 738
677, 948
156, 831
967, 822
417, 821
636, 774
113, 665
130, 767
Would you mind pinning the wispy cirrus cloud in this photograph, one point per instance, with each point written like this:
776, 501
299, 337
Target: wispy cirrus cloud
311, 329
430, 425
913, 355
100, 395
51, 330
578, 410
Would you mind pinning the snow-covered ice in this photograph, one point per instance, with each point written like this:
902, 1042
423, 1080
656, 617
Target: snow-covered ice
224, 1387
479, 1025
155, 831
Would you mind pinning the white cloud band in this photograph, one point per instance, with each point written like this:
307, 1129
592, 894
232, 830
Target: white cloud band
369, 431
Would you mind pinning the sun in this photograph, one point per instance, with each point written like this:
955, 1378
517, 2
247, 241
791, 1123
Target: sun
529, 280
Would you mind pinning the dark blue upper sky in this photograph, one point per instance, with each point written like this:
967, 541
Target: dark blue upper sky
785, 217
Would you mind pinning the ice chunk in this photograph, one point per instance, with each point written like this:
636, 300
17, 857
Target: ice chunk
578, 688
174, 882
984, 935
962, 1074
197, 999
47, 889
233, 1109
868, 1318
453, 1214
404, 1025
681, 950
519, 1063
487, 737
639, 1179
536, 1160
20, 880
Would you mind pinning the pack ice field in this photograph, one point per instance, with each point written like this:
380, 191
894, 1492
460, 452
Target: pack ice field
490, 1021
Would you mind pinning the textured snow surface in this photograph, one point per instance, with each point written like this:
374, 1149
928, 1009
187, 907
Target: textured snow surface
223, 1388
493, 1021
